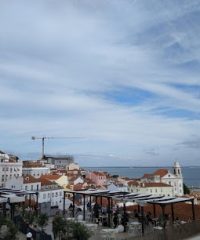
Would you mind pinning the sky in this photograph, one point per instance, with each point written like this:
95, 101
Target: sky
116, 83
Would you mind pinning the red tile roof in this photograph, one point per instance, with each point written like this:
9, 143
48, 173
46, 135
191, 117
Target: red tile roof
154, 184
30, 179
51, 177
147, 184
45, 181
78, 187
133, 183
147, 175
100, 174
161, 172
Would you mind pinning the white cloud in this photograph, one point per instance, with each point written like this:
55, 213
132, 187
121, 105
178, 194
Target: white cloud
59, 60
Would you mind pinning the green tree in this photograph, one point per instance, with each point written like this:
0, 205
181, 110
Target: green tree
42, 220
8, 230
80, 232
69, 230
59, 226
115, 176
186, 190
29, 216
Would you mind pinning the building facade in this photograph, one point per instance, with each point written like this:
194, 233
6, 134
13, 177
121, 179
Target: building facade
36, 172
174, 179
10, 167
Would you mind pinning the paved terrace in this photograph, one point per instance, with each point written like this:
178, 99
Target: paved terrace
135, 227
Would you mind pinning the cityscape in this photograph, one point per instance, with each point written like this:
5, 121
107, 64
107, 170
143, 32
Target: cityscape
99, 120
56, 187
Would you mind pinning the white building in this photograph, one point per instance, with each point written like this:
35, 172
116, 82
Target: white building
156, 188
27, 183
59, 161
174, 179
51, 193
36, 172
117, 187
73, 166
10, 167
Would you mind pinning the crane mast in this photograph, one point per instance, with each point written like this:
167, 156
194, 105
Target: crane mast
43, 138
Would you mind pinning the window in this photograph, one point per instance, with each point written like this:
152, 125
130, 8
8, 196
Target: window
52, 194
60, 193
44, 195
31, 187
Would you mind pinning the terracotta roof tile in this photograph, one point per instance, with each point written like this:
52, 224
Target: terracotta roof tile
154, 184
30, 179
100, 174
147, 175
51, 177
78, 187
133, 183
161, 172
45, 181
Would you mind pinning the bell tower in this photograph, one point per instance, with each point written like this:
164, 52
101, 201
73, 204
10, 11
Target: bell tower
177, 170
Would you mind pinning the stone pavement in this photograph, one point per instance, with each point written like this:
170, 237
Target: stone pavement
21, 236
197, 237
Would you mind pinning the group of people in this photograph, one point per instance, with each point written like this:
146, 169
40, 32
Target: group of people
120, 219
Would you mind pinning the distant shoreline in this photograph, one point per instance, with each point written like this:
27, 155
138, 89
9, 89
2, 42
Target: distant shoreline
138, 166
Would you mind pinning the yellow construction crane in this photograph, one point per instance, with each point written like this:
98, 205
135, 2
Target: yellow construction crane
44, 138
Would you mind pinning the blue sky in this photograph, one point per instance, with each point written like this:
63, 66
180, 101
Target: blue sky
123, 75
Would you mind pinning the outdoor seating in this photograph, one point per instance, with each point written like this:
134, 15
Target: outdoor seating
119, 229
91, 225
70, 219
135, 228
108, 234
80, 217
155, 221
158, 228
